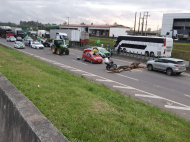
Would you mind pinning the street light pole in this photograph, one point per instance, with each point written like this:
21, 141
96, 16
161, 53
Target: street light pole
68, 22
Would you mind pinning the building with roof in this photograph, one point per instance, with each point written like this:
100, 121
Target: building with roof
176, 21
98, 30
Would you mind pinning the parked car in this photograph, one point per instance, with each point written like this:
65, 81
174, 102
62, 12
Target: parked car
26, 41
11, 38
91, 56
46, 44
18, 38
37, 45
19, 44
102, 51
168, 65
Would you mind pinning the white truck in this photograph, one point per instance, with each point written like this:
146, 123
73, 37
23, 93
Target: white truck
17, 32
73, 35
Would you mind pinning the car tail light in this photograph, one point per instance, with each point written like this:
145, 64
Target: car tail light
165, 42
177, 65
164, 51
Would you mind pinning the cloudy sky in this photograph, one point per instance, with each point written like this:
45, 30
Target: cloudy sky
90, 11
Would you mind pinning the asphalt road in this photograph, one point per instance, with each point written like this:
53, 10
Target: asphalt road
170, 93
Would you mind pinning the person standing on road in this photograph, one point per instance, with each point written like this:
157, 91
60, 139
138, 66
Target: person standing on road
119, 48
108, 47
29, 43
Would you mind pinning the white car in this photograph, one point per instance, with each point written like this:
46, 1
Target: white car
19, 44
11, 38
37, 45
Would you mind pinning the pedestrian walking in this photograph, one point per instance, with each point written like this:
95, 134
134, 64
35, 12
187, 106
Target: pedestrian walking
119, 48
29, 43
108, 47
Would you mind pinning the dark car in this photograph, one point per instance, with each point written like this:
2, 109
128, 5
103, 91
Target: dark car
46, 44
18, 38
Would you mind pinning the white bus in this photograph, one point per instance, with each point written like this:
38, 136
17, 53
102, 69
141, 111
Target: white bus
150, 46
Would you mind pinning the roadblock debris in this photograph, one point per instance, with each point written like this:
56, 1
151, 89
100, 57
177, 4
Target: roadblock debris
134, 65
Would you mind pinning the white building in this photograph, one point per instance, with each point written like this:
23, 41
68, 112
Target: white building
99, 30
176, 21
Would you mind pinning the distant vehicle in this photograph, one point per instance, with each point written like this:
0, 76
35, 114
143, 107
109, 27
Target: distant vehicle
11, 38
19, 44
37, 45
43, 35
5, 31
102, 51
46, 44
150, 46
18, 32
168, 65
90, 56
18, 38
172, 34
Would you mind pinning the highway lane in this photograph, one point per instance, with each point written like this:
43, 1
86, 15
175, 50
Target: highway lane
156, 88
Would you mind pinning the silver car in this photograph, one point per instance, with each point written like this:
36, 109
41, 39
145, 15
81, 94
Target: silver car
168, 65
11, 38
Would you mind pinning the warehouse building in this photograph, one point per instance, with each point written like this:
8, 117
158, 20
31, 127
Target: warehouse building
176, 21
98, 30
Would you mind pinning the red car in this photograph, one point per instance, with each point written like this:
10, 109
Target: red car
90, 56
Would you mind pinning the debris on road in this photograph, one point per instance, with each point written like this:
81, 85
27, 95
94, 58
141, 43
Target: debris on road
134, 65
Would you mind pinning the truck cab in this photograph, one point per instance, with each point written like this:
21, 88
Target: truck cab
172, 34
64, 37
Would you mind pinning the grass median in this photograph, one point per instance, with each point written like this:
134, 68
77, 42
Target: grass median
85, 111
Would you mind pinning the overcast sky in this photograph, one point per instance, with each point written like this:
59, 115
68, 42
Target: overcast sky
90, 11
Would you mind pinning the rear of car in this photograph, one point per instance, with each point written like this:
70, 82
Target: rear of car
168, 65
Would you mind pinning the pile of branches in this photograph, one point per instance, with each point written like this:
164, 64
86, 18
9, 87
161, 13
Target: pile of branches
134, 65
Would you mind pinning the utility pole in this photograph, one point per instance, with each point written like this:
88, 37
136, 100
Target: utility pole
139, 21
146, 23
68, 22
142, 24
135, 22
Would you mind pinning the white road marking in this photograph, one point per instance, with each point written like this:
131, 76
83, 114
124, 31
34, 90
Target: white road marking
77, 70
177, 107
104, 80
79, 62
123, 87
187, 95
72, 53
135, 70
89, 74
128, 77
136, 89
66, 66
147, 96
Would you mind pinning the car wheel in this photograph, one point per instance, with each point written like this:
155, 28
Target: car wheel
91, 62
150, 67
169, 72
151, 54
147, 54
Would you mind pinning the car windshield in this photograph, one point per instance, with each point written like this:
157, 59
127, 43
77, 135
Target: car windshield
102, 50
12, 37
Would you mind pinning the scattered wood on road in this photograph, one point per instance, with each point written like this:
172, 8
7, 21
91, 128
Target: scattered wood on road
134, 65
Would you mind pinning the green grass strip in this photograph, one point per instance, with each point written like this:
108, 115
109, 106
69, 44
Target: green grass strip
85, 111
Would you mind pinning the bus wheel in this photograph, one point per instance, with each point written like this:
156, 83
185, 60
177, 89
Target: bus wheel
147, 53
151, 54
124, 50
